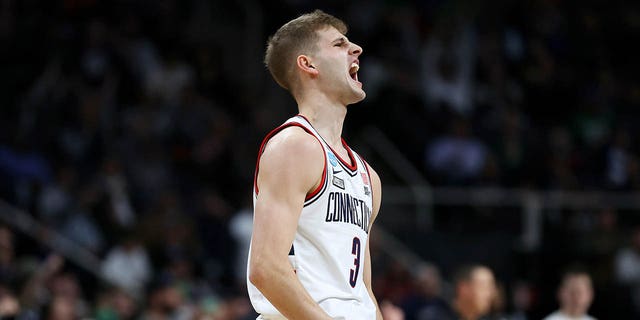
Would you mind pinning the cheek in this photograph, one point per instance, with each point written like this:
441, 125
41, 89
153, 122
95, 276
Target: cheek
483, 298
585, 298
337, 72
331, 69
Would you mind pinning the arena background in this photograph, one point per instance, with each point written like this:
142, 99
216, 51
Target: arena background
505, 133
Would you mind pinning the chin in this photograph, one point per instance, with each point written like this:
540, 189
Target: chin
358, 96
357, 99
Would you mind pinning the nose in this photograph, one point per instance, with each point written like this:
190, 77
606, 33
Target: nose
355, 49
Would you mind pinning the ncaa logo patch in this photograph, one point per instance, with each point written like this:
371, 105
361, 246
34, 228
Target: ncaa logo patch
332, 159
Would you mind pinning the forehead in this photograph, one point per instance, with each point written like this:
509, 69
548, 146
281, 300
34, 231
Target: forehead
482, 275
577, 280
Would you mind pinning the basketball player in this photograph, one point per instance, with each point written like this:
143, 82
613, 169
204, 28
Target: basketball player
315, 199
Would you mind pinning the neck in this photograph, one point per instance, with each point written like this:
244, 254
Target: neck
326, 116
464, 312
572, 313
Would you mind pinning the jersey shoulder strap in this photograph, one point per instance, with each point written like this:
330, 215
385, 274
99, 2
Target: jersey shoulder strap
301, 122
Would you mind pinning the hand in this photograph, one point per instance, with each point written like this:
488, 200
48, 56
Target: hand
9, 306
52, 264
390, 311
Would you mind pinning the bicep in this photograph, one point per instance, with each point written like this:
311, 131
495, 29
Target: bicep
275, 223
283, 181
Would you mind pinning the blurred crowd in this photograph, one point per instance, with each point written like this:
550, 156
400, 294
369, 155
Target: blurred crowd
131, 127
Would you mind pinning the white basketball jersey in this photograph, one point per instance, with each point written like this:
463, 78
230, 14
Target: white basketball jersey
328, 251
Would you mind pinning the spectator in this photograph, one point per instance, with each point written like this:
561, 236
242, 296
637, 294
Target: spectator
56, 198
523, 299
7, 256
127, 266
240, 227
81, 228
458, 156
575, 296
66, 297
428, 297
115, 186
165, 301
36, 292
627, 267
619, 160
475, 291
23, 167
115, 304
60, 308
168, 81
447, 66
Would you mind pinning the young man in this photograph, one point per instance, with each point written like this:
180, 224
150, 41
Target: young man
575, 296
315, 199
475, 291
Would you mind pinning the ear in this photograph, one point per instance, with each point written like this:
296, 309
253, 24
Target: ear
304, 63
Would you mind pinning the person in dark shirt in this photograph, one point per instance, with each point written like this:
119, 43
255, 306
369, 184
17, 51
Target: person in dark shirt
475, 290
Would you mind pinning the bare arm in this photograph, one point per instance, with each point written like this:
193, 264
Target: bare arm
290, 167
377, 199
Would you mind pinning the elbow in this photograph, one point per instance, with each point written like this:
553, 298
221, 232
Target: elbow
256, 277
265, 270
258, 274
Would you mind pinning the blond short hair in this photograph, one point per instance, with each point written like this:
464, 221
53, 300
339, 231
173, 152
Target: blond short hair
298, 36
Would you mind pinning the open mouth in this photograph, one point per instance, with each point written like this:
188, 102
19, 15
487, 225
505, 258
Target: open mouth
353, 70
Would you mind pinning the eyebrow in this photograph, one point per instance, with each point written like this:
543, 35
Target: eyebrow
339, 40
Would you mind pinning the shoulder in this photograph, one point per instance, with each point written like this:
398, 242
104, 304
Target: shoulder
294, 140
626, 256
376, 184
554, 316
292, 155
375, 178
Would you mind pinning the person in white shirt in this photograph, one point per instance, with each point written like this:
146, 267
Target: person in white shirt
627, 268
128, 267
575, 296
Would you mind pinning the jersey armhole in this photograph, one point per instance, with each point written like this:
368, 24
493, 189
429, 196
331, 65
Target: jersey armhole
366, 167
270, 135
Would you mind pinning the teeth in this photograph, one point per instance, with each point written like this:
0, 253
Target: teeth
354, 68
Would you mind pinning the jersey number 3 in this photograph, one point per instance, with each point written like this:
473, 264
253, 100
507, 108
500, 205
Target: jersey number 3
353, 274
